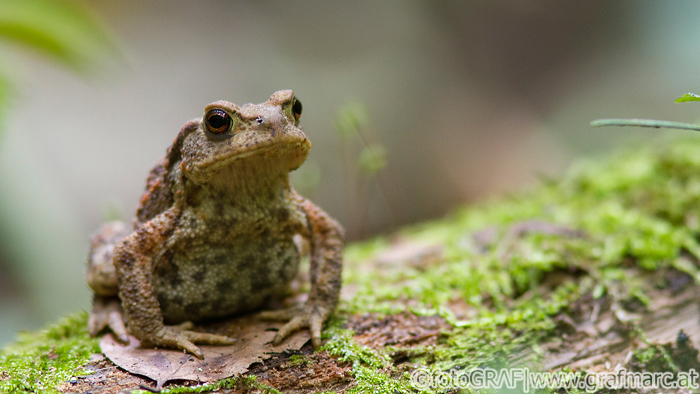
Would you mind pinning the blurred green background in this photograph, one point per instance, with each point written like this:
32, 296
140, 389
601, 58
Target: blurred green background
413, 107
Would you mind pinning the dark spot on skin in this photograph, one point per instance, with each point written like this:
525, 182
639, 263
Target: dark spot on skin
164, 303
265, 233
195, 308
273, 132
218, 195
290, 267
258, 280
193, 198
259, 119
221, 259
282, 215
199, 275
165, 262
335, 283
218, 304
223, 286
263, 248
172, 275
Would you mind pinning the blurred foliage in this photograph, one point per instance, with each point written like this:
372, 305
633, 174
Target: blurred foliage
688, 97
59, 29
64, 31
307, 177
372, 159
353, 123
112, 210
350, 118
4, 97
364, 156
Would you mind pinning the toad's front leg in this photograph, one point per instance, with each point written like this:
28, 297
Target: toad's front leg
327, 240
133, 260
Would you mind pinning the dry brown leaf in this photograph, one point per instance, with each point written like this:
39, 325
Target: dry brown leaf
253, 344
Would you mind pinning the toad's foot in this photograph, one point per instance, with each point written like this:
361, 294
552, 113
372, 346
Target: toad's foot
179, 337
311, 316
106, 312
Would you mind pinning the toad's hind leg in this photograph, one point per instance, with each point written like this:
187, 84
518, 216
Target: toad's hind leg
106, 312
102, 279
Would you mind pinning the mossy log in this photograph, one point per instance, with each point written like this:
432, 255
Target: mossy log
595, 272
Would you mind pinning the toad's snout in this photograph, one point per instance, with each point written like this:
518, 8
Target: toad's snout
272, 123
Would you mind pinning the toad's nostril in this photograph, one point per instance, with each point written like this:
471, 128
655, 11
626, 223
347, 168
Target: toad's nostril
259, 119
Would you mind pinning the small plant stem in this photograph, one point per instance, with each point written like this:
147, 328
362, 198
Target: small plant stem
645, 123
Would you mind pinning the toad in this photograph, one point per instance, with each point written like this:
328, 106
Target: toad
214, 234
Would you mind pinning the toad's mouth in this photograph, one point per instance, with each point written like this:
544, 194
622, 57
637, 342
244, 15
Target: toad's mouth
287, 156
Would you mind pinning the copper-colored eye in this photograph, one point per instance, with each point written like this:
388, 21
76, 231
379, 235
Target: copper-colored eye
296, 108
218, 121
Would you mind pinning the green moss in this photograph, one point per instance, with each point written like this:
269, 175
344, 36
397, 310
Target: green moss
341, 344
233, 383
638, 212
370, 380
368, 366
643, 205
299, 359
39, 362
645, 355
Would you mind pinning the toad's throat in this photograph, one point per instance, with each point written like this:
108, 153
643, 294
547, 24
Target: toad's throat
255, 177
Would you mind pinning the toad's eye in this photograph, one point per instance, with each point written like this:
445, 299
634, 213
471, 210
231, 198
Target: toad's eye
218, 121
296, 108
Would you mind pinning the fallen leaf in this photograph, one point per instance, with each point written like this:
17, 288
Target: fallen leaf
254, 344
